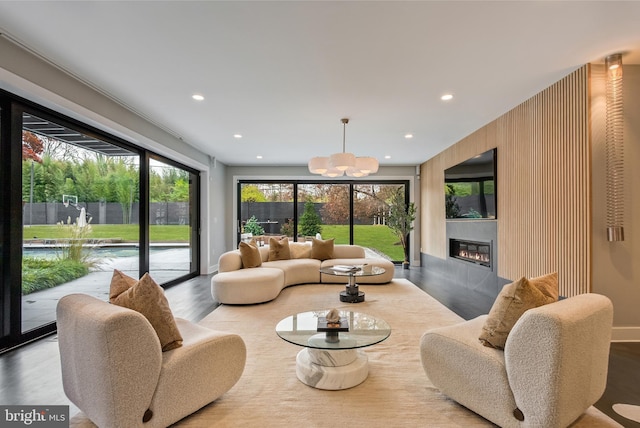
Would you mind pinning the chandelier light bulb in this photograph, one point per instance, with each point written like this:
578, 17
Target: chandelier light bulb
318, 165
333, 172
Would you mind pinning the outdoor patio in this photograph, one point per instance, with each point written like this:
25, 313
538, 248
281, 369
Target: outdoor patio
39, 308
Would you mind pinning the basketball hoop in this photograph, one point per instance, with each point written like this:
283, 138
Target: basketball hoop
67, 199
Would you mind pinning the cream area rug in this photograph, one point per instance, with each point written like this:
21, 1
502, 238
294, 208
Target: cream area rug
397, 393
629, 411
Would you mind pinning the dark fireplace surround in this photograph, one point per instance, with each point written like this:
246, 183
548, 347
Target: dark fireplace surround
476, 268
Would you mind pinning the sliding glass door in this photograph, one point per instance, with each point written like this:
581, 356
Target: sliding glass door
80, 200
324, 208
173, 222
351, 212
77, 204
370, 210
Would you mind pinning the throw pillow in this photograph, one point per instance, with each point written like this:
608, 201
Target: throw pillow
147, 297
322, 249
279, 249
250, 255
511, 303
300, 250
119, 284
547, 284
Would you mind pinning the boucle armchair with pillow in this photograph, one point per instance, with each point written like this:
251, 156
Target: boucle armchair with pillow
553, 366
236, 283
114, 370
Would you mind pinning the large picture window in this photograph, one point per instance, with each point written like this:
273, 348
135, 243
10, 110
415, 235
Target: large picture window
349, 212
87, 203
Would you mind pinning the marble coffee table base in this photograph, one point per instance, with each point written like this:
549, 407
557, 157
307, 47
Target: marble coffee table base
332, 369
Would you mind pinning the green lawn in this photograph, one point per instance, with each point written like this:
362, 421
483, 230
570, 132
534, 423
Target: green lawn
125, 232
377, 237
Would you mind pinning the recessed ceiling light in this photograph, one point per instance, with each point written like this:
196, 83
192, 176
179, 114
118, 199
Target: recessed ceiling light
259, 157
408, 136
387, 157
197, 97
238, 136
446, 97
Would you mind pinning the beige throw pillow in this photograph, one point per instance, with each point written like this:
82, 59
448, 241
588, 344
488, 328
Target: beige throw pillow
119, 284
511, 303
250, 255
279, 249
300, 250
547, 284
322, 249
147, 297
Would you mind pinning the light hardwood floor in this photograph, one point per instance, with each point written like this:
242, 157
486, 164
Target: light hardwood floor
31, 373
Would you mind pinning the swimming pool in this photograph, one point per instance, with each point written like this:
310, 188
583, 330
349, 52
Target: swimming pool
97, 252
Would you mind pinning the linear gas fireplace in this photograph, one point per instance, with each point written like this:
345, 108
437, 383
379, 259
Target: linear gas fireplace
471, 251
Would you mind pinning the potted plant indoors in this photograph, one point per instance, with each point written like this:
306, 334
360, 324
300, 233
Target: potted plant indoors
400, 220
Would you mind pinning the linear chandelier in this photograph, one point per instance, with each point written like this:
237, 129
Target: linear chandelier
339, 164
614, 144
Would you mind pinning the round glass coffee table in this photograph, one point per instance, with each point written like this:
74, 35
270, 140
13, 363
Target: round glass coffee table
331, 358
352, 294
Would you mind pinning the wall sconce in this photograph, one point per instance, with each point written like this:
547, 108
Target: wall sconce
614, 148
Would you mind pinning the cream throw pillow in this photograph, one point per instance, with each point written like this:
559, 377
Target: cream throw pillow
512, 302
322, 249
250, 255
279, 249
147, 297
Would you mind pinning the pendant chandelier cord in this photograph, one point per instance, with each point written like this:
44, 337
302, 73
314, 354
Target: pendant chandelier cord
344, 133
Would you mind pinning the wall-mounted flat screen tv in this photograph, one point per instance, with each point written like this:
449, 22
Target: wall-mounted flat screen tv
470, 188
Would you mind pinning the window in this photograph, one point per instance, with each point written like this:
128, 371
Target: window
349, 212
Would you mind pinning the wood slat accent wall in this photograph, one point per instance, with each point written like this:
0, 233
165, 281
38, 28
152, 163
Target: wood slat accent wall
543, 182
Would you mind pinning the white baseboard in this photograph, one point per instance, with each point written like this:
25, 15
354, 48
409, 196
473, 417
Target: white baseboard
625, 334
212, 269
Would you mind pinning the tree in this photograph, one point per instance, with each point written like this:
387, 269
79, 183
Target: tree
336, 209
401, 218
180, 191
32, 146
310, 222
251, 193
124, 187
370, 200
452, 209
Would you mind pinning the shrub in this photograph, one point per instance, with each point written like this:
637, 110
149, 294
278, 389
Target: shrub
76, 247
310, 222
39, 274
252, 226
287, 228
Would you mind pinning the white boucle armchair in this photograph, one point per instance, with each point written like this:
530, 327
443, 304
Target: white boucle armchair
553, 367
113, 368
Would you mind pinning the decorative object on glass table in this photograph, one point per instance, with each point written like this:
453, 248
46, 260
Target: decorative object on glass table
333, 322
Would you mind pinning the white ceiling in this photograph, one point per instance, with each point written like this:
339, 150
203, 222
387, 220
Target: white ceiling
283, 74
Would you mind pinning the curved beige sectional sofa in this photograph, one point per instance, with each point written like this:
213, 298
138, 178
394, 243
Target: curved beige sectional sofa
234, 284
